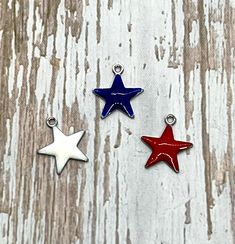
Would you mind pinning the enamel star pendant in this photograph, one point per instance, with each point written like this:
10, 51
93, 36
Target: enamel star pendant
166, 147
64, 147
118, 96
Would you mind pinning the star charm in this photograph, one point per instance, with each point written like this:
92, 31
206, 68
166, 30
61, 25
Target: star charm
165, 149
117, 97
64, 148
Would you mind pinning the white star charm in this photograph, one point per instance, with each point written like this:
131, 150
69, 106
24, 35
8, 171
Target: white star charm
64, 147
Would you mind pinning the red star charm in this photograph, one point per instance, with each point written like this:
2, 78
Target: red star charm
165, 148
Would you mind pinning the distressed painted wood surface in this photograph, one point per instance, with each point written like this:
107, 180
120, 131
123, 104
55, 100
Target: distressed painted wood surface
53, 53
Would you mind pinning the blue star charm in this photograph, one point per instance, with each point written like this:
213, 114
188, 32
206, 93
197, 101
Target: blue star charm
118, 96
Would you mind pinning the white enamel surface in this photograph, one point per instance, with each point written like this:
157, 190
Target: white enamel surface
64, 148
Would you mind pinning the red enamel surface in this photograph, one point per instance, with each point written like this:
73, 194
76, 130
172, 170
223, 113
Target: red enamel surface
165, 149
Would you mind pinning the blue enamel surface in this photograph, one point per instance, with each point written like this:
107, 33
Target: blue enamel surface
117, 97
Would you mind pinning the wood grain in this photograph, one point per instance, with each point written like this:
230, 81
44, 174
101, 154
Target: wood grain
52, 54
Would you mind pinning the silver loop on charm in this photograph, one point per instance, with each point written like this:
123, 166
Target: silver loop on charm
52, 122
118, 69
170, 119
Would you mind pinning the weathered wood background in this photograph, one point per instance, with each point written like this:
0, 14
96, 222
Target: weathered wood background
53, 53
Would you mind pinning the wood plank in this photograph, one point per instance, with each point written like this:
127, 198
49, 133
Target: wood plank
53, 53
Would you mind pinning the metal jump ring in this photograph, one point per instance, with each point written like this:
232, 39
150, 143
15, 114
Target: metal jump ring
52, 122
118, 69
170, 119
